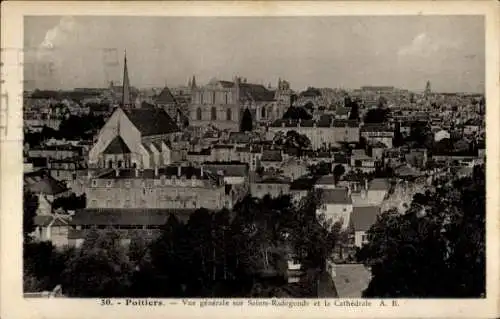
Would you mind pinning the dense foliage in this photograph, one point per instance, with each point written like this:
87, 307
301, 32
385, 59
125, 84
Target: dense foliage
71, 128
435, 249
246, 124
30, 206
213, 254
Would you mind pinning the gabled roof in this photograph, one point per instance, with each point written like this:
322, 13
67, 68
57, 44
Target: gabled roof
152, 121
363, 218
117, 146
336, 196
165, 97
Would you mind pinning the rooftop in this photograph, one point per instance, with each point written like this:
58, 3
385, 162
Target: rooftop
336, 196
152, 121
363, 218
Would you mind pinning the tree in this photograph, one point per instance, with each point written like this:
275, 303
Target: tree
296, 113
437, 247
377, 115
398, 139
354, 114
246, 121
320, 169
338, 171
100, 268
30, 206
293, 139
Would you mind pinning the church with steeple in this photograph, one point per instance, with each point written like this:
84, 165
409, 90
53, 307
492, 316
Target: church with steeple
134, 137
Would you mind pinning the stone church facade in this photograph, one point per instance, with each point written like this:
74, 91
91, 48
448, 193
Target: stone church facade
222, 103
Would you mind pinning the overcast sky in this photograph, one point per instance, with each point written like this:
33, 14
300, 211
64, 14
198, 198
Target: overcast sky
349, 52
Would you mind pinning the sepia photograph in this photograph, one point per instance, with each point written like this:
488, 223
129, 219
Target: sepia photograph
254, 157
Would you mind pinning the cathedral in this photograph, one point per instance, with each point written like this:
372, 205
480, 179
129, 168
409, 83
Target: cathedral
222, 103
134, 137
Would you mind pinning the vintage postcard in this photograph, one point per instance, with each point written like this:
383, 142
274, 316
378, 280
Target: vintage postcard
271, 159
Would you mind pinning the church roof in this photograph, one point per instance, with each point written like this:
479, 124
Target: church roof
256, 92
117, 146
152, 121
165, 97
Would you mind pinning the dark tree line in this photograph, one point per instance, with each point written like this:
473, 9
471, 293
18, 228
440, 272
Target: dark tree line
72, 128
436, 249
213, 254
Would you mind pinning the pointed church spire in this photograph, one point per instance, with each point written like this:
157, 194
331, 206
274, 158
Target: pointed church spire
126, 84
193, 82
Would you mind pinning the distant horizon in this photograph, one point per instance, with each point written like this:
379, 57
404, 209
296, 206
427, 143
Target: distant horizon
326, 51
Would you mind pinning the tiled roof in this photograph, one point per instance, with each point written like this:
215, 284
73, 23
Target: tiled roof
326, 180
117, 146
42, 183
152, 121
340, 158
127, 216
364, 217
336, 196
273, 180
256, 92
165, 97
271, 156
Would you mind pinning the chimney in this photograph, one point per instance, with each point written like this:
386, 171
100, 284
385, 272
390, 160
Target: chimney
117, 172
201, 171
136, 172
179, 171
156, 171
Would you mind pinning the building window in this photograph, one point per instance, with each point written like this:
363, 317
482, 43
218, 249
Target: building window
213, 97
226, 95
201, 97
198, 114
110, 164
263, 113
364, 238
94, 183
120, 164
109, 183
228, 115
213, 114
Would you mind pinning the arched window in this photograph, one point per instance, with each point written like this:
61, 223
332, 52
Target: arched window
214, 114
263, 113
198, 114
228, 115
